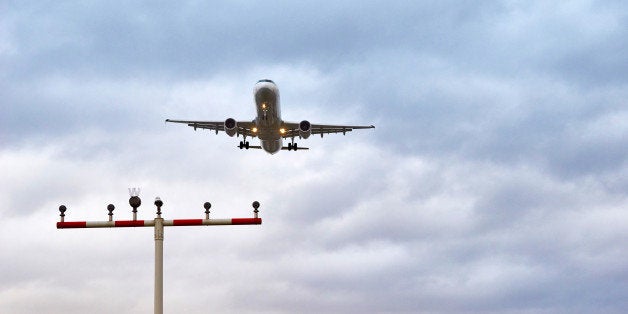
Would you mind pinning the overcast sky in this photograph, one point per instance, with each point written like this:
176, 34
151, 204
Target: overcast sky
496, 179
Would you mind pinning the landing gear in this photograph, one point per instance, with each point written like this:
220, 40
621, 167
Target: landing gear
244, 145
292, 146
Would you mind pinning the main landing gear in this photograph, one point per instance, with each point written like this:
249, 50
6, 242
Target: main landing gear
244, 144
292, 146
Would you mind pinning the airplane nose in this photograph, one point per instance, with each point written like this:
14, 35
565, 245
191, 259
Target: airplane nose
264, 94
272, 146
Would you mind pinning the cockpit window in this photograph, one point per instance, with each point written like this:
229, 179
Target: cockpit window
265, 81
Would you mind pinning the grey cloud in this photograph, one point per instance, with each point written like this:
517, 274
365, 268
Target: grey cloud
413, 234
193, 38
450, 111
494, 181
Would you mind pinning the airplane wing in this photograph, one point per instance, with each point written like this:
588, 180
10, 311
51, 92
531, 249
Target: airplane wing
292, 129
243, 127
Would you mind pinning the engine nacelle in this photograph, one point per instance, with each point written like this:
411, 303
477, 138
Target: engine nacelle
305, 129
231, 127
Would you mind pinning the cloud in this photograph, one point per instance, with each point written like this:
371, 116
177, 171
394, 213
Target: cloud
417, 233
493, 182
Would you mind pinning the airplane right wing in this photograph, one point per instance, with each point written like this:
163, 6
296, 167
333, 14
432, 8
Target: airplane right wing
229, 126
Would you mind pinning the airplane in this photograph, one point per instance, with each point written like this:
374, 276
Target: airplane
268, 125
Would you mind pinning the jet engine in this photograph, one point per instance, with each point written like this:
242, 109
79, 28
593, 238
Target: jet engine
231, 127
305, 129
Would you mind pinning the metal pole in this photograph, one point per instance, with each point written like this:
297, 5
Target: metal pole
159, 259
159, 266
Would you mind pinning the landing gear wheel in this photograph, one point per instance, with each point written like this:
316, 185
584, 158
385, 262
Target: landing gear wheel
289, 146
294, 147
241, 145
246, 145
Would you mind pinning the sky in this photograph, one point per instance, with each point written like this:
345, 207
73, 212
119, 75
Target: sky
495, 181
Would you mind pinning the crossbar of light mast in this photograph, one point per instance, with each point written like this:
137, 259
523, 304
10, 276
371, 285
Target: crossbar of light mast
151, 223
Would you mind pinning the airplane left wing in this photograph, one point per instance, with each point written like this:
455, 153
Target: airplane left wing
242, 127
296, 129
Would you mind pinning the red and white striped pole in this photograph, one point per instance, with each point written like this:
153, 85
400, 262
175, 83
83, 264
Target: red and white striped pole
158, 223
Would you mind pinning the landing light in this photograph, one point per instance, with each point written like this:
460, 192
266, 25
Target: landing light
254, 130
282, 131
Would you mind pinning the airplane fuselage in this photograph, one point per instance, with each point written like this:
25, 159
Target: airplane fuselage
268, 118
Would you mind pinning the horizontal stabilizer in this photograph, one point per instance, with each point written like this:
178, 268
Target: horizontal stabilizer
292, 148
